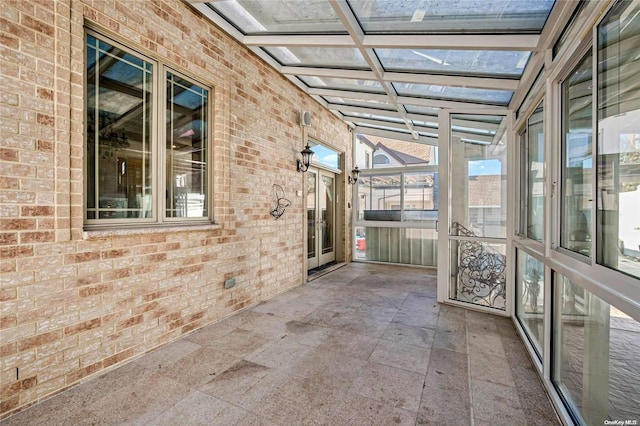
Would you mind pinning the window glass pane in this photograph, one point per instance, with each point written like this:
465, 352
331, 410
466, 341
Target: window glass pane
480, 197
530, 298
118, 120
327, 207
446, 16
480, 62
369, 86
618, 196
577, 160
318, 56
262, 16
535, 174
186, 148
420, 190
595, 363
325, 156
432, 91
312, 181
381, 196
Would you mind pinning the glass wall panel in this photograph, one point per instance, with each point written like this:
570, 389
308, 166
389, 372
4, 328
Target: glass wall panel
577, 159
186, 148
380, 197
419, 202
409, 246
530, 298
119, 120
477, 62
595, 356
480, 201
477, 203
618, 191
534, 177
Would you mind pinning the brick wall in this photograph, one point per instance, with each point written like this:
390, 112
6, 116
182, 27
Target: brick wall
75, 303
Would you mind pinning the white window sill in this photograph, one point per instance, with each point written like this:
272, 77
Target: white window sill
126, 232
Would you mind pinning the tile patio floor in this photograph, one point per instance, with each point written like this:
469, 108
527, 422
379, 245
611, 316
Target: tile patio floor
366, 344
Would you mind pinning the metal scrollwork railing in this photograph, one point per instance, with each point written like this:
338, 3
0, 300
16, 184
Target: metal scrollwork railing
481, 271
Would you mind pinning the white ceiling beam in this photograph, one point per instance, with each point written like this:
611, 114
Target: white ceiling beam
455, 81
460, 133
330, 72
408, 41
405, 77
435, 103
364, 110
294, 40
380, 97
556, 22
454, 41
396, 135
219, 21
374, 122
349, 20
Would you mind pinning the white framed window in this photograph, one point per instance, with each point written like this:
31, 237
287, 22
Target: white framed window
147, 146
532, 178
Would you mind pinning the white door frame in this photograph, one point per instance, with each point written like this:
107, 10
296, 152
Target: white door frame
444, 209
320, 198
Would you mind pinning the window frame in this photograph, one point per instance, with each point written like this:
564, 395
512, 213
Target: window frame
585, 49
157, 128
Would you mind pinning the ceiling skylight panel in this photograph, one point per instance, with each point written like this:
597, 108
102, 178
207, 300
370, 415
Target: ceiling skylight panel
356, 115
360, 102
451, 16
459, 62
369, 86
325, 57
431, 91
282, 17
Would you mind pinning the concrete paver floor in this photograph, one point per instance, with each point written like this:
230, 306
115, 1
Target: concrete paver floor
364, 345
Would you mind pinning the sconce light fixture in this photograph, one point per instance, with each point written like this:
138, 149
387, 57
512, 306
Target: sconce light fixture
307, 153
354, 175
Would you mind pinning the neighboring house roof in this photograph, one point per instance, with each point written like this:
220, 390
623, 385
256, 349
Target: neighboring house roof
401, 157
485, 190
414, 149
362, 138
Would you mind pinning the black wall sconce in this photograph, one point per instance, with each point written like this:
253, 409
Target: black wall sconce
307, 153
354, 175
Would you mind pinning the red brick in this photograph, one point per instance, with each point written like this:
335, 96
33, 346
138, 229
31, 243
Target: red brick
83, 326
37, 211
40, 339
37, 237
37, 25
8, 238
8, 154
